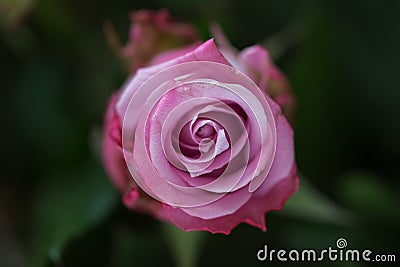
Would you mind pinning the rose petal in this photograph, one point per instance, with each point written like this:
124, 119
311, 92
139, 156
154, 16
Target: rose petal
173, 53
205, 52
259, 64
112, 155
253, 212
227, 49
227, 205
268, 77
284, 157
136, 201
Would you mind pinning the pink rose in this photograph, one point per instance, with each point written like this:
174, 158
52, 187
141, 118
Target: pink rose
195, 139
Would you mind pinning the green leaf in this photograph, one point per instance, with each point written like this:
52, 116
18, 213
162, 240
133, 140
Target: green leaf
310, 204
369, 195
185, 246
65, 206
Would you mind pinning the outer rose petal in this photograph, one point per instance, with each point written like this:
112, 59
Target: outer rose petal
252, 213
112, 155
228, 50
208, 51
172, 54
258, 68
284, 156
116, 169
269, 78
137, 200
256, 63
222, 206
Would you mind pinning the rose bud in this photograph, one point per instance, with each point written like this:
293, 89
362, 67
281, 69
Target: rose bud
153, 32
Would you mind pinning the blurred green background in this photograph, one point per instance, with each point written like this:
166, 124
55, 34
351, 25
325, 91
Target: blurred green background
57, 207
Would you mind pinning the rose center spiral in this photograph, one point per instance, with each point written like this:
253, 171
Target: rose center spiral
206, 131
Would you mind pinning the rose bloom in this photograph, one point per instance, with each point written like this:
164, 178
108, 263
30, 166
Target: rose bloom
197, 136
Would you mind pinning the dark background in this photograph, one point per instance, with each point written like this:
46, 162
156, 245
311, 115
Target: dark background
57, 207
